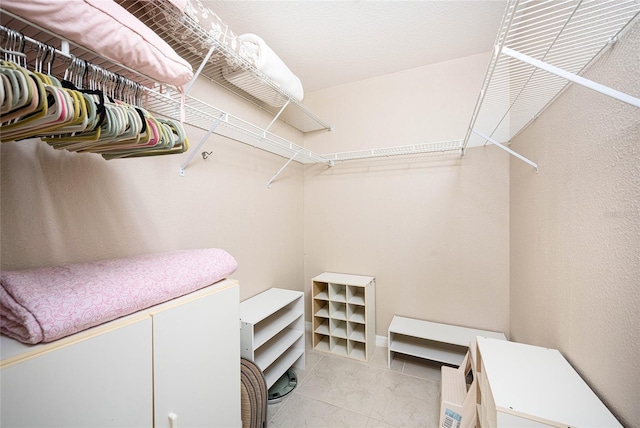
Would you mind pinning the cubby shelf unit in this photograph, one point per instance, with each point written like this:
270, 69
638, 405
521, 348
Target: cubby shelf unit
344, 314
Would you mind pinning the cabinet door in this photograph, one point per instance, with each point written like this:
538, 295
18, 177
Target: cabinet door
197, 362
103, 381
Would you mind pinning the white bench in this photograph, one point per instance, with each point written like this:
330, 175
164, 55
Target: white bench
444, 343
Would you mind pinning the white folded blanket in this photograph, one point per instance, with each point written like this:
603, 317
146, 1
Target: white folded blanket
268, 62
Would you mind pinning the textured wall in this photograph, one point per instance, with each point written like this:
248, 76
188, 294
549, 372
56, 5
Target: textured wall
60, 207
433, 230
575, 231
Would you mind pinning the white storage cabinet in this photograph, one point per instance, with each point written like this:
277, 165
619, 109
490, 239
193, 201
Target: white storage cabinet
344, 314
132, 372
529, 386
272, 331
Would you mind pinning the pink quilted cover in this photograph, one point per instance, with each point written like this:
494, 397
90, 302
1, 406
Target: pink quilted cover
109, 30
42, 305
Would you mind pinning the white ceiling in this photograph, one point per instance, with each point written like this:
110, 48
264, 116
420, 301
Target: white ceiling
329, 43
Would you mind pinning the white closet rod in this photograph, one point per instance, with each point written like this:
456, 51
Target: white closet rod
573, 77
507, 149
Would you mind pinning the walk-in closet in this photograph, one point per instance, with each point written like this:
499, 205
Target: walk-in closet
319, 213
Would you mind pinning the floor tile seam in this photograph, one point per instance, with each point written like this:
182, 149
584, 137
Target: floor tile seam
311, 397
382, 422
437, 382
308, 372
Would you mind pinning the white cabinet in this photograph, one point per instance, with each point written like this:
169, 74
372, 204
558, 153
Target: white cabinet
272, 331
102, 381
344, 314
529, 386
179, 357
196, 365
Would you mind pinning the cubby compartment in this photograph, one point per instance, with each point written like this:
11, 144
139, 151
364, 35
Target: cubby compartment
357, 314
321, 291
338, 311
344, 314
357, 332
338, 329
355, 295
357, 350
337, 293
321, 325
321, 342
321, 308
339, 345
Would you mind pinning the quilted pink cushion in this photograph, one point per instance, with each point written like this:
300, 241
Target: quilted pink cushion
42, 305
109, 30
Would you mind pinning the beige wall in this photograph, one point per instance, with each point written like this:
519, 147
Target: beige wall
575, 232
433, 230
60, 207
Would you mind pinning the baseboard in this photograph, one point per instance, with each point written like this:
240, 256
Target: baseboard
382, 341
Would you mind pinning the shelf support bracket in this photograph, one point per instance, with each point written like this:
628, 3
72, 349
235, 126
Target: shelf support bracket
507, 149
283, 167
214, 125
264, 133
202, 64
621, 96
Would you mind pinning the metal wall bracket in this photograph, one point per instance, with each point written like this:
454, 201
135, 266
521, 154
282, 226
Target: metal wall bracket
507, 149
214, 125
283, 167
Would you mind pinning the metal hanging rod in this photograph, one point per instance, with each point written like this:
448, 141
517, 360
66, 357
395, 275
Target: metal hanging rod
554, 42
507, 149
621, 96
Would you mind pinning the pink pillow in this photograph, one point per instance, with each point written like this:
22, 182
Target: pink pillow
109, 30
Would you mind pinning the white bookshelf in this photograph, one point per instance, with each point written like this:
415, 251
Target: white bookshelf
344, 320
272, 331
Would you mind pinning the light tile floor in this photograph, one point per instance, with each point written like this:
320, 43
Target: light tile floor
336, 391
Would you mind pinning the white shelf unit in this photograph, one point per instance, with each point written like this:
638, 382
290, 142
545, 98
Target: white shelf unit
272, 331
443, 343
524, 385
344, 314
565, 34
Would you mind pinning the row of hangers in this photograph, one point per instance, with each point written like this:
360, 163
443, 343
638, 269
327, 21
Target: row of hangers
89, 110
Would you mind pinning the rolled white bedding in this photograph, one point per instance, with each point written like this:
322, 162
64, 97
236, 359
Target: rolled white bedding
268, 62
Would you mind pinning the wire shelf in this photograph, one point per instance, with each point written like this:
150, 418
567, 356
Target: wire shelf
192, 42
567, 34
412, 149
202, 115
